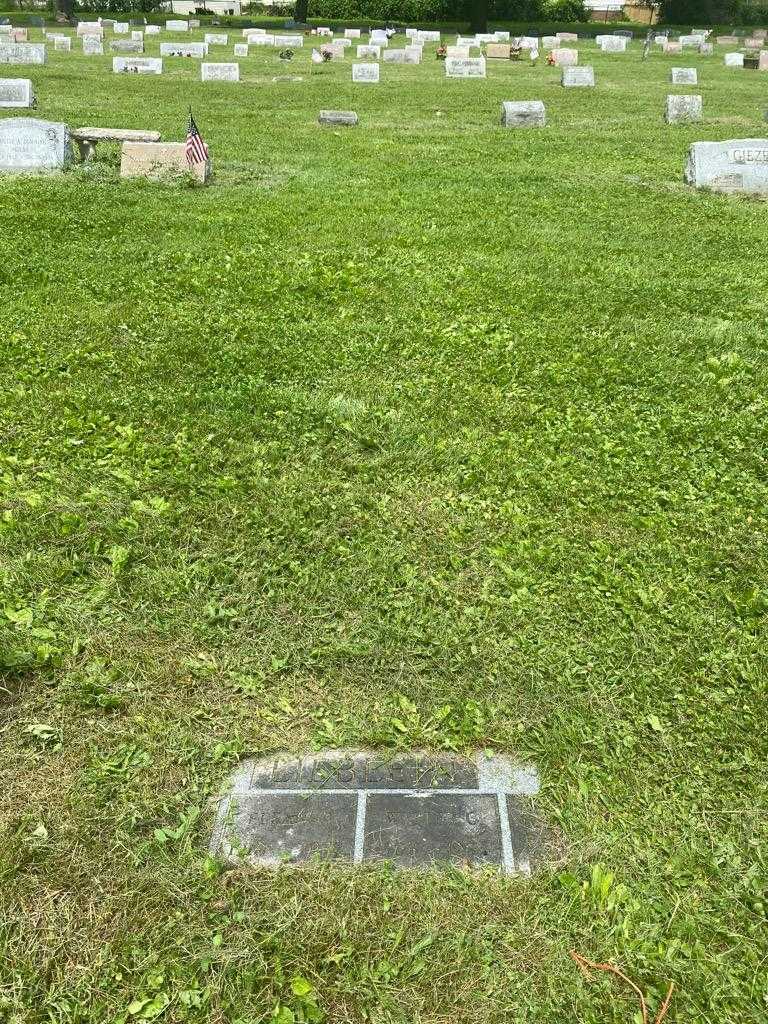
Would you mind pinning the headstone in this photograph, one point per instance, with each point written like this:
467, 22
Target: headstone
565, 57
408, 809
683, 76
736, 165
672, 47
624, 32
734, 60
289, 41
90, 28
763, 60
22, 53
336, 52
126, 46
706, 49
365, 72
550, 42
27, 144
93, 46
260, 40
394, 56
683, 109
493, 51
137, 36
689, 40
501, 37
152, 30
219, 72
240, 49
338, 117
216, 38
183, 49
368, 51
753, 43
16, 92
567, 37
613, 44
173, 25
62, 43
465, 67
457, 51
523, 114
413, 55
578, 77
121, 28
728, 40
351, 33
160, 160
194, 23
137, 65
528, 42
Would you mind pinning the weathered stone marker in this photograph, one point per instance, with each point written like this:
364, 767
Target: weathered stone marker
338, 117
736, 165
240, 49
523, 114
219, 72
160, 160
564, 57
578, 77
734, 60
683, 109
365, 73
183, 49
27, 144
137, 65
683, 76
465, 67
411, 809
22, 53
16, 92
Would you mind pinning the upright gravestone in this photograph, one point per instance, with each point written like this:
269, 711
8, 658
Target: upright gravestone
564, 57
683, 76
240, 49
734, 60
368, 51
27, 144
22, 53
174, 25
493, 51
216, 38
365, 72
683, 109
16, 92
126, 46
465, 67
613, 44
183, 49
152, 30
62, 43
219, 72
578, 77
736, 165
137, 65
523, 114
338, 117
93, 46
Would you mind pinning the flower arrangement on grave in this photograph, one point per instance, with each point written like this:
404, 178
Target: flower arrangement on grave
442, 52
327, 56
515, 52
551, 59
286, 55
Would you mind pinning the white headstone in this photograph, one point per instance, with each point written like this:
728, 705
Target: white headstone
27, 144
93, 46
183, 49
240, 49
151, 30
216, 38
173, 25
289, 41
564, 57
219, 72
683, 109
137, 65
612, 44
16, 92
736, 165
578, 77
262, 39
734, 60
62, 43
366, 50
465, 67
22, 53
365, 72
351, 33
683, 76
121, 28
523, 114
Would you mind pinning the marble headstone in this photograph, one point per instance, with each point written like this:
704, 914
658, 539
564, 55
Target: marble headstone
683, 109
683, 76
27, 144
465, 67
523, 114
16, 92
365, 72
219, 72
576, 77
736, 165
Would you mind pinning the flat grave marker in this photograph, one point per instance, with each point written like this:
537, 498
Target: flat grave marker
523, 114
368, 72
28, 145
219, 72
16, 92
735, 165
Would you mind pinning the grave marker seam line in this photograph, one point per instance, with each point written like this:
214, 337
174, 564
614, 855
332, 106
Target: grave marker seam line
357, 857
507, 852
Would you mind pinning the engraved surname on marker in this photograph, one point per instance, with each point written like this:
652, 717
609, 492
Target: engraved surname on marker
748, 156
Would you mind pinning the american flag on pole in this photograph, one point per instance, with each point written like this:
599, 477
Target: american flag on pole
196, 149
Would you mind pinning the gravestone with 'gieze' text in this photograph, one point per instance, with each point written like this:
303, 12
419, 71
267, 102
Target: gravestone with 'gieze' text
27, 144
736, 165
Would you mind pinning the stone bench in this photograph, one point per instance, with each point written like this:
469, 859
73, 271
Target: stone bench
88, 138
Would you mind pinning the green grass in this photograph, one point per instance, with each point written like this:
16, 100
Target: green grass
424, 433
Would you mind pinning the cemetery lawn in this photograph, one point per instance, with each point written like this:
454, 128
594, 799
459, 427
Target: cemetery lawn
419, 434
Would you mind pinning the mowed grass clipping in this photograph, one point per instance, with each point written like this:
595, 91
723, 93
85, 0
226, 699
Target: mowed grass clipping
424, 433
